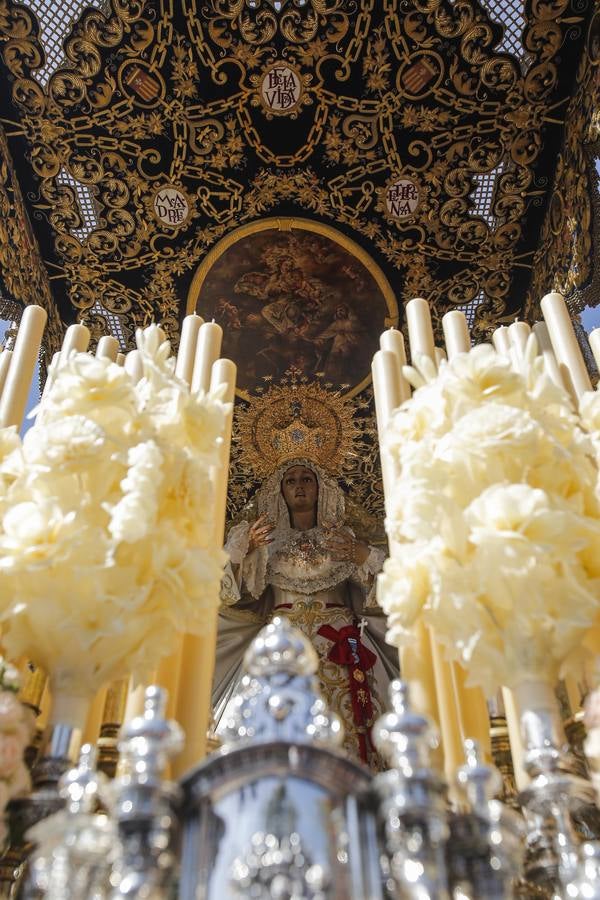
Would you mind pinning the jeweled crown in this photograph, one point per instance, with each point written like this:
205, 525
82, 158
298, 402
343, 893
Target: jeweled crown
296, 420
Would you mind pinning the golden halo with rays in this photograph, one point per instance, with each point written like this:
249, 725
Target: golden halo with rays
296, 419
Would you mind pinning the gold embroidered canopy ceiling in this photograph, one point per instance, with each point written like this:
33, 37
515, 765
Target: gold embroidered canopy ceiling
420, 130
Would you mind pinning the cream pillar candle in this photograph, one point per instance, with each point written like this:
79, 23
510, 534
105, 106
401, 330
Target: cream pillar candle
540, 329
440, 355
5, 358
50, 376
386, 387
387, 392
475, 720
134, 365
518, 335
168, 676
198, 654
223, 376
134, 705
392, 340
208, 350
22, 366
594, 342
108, 348
194, 695
415, 661
184, 367
566, 348
456, 333
420, 332
501, 340
77, 337
449, 713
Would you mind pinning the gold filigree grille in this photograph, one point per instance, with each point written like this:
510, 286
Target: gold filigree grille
510, 14
88, 208
484, 193
56, 18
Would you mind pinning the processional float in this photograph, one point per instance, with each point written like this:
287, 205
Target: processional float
246, 814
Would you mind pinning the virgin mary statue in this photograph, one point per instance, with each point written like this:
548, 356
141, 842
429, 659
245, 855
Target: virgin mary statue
299, 559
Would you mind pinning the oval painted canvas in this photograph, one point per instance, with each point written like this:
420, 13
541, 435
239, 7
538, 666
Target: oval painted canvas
296, 301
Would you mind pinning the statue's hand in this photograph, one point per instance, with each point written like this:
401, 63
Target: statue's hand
344, 547
260, 533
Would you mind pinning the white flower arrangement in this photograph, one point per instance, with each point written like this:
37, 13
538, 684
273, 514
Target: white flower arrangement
107, 545
494, 519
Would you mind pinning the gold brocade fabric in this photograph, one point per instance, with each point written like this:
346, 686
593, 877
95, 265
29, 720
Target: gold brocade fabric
309, 615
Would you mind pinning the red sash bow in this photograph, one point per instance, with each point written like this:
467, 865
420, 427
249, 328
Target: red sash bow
348, 650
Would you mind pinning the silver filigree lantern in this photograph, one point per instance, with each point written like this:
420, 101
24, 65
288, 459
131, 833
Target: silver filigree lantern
76, 846
144, 805
412, 803
278, 811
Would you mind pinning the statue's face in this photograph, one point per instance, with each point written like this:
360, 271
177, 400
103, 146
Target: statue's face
300, 489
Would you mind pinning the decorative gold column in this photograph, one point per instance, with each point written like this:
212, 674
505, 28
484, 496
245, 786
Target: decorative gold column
113, 715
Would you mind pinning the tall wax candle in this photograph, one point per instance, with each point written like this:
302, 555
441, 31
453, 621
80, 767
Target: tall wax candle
208, 350
392, 341
415, 661
566, 347
223, 377
501, 340
77, 337
518, 335
594, 341
420, 332
134, 365
196, 669
22, 366
108, 347
5, 358
456, 333
184, 367
540, 329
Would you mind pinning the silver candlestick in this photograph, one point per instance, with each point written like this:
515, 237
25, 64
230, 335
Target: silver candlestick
412, 803
144, 805
75, 846
485, 847
554, 795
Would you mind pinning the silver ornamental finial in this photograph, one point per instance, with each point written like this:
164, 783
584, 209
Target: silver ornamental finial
279, 697
486, 839
280, 648
479, 782
143, 805
82, 786
412, 807
75, 846
404, 737
150, 739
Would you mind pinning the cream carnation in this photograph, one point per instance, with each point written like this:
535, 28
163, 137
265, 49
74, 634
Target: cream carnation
107, 545
493, 518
